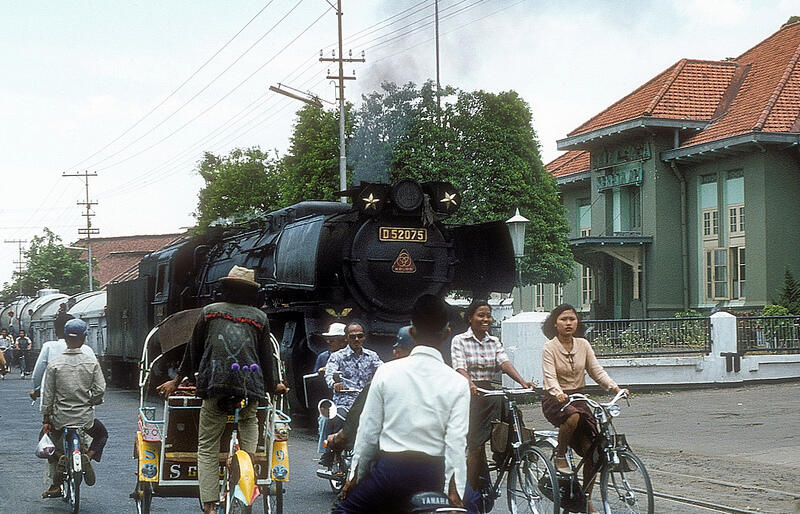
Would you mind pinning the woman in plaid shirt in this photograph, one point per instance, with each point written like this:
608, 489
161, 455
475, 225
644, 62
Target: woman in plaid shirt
479, 356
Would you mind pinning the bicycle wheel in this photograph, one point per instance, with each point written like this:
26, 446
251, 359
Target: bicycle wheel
273, 498
72, 490
626, 487
532, 484
143, 496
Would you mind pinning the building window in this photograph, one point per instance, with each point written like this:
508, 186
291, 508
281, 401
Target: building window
725, 273
539, 297
587, 290
710, 223
558, 294
736, 219
584, 217
737, 273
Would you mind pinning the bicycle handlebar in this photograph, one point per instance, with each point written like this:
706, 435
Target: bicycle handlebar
504, 391
578, 396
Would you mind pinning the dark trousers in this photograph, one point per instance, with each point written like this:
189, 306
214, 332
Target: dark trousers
99, 436
392, 479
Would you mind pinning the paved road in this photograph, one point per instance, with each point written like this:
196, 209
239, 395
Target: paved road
746, 435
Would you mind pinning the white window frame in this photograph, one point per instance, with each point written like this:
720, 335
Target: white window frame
558, 295
710, 223
587, 287
538, 297
724, 274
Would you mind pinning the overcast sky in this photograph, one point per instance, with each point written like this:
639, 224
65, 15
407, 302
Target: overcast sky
136, 91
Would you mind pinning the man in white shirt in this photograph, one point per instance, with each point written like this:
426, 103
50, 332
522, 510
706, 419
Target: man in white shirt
414, 423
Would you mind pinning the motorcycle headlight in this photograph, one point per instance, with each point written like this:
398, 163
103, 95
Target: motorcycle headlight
614, 411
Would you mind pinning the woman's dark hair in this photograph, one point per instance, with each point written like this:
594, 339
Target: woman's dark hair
549, 326
474, 306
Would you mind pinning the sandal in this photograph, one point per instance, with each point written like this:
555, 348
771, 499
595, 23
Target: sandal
53, 492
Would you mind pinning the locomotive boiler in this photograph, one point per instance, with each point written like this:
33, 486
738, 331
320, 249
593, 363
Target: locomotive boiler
320, 262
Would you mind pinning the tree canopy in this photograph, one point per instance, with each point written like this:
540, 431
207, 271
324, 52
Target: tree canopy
49, 265
240, 184
484, 144
481, 142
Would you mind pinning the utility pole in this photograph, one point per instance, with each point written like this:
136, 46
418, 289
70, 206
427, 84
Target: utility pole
18, 262
88, 231
341, 78
438, 84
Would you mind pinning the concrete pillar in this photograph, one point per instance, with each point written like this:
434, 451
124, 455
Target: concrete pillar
723, 343
523, 340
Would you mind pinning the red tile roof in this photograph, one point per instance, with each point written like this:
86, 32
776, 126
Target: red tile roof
757, 91
117, 255
574, 161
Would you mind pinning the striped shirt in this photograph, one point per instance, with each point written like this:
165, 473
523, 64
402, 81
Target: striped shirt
481, 359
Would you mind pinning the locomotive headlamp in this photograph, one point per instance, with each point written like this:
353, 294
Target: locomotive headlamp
407, 195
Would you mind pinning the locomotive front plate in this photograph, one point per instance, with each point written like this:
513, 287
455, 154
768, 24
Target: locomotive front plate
403, 235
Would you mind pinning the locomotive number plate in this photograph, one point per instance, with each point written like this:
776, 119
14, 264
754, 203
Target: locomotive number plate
412, 235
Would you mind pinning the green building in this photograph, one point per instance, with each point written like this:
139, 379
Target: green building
685, 194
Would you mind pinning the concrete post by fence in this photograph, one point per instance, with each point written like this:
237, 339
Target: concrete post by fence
724, 347
523, 340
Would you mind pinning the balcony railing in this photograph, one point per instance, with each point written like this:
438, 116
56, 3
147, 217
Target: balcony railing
649, 337
770, 334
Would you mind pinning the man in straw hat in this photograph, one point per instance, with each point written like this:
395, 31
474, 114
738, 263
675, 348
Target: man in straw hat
230, 358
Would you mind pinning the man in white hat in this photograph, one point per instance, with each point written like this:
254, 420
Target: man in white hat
336, 341
230, 358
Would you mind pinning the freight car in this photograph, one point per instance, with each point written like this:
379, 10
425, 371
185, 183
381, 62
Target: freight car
320, 262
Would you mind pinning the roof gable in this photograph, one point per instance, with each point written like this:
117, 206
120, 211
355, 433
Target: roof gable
759, 91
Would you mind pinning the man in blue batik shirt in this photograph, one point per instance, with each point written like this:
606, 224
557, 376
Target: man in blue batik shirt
356, 364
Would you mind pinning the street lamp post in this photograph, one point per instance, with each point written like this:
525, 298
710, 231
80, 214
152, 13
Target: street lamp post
516, 228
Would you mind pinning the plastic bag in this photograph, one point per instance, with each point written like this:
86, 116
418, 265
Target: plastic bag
45, 448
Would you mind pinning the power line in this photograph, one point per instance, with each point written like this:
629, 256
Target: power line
20, 262
226, 95
89, 230
198, 93
177, 88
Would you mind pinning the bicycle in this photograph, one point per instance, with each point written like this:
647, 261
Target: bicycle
625, 486
72, 475
532, 484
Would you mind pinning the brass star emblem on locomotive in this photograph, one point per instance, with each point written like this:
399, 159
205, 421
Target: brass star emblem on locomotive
371, 202
449, 200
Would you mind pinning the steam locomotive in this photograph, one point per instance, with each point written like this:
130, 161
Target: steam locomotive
320, 262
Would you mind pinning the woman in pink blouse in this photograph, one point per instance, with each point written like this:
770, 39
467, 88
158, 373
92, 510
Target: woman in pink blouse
566, 357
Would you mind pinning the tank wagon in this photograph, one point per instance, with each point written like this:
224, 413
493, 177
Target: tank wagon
320, 262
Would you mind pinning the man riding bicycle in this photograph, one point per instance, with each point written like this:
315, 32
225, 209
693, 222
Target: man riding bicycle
73, 385
414, 424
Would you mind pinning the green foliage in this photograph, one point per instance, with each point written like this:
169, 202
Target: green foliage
775, 310
790, 295
484, 144
242, 183
49, 265
310, 170
791, 19
691, 313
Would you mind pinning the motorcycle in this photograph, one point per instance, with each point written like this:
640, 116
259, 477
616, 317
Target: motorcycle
335, 472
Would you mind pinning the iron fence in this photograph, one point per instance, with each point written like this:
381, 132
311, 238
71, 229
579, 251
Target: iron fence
649, 337
768, 334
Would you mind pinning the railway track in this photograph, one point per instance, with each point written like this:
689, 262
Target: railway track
712, 506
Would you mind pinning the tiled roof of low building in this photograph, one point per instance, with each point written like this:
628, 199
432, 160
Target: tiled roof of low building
759, 91
574, 161
117, 255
